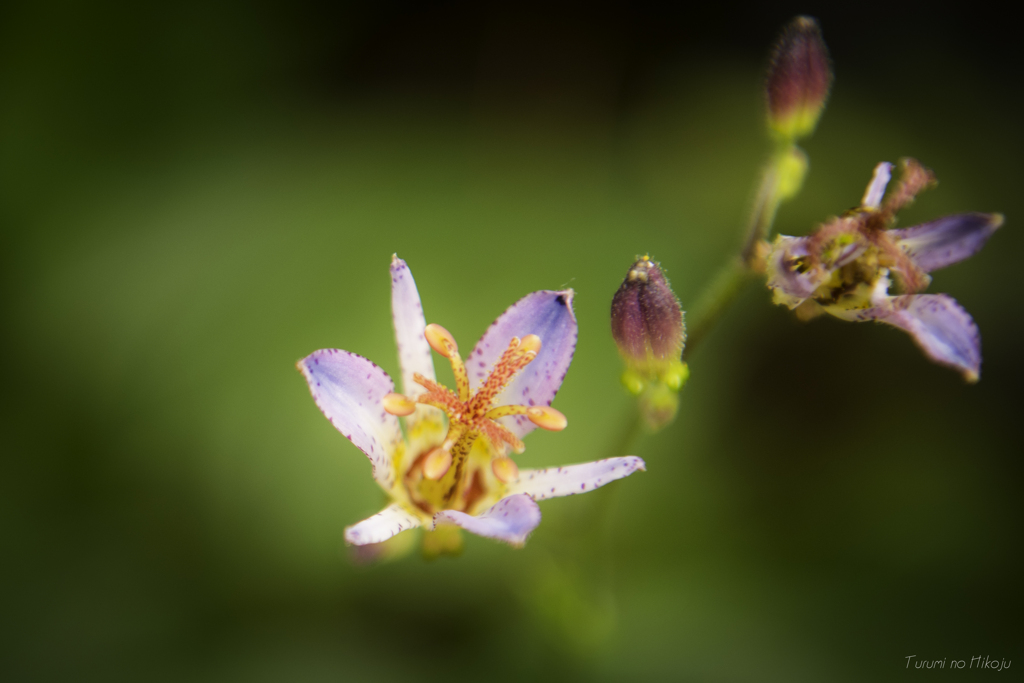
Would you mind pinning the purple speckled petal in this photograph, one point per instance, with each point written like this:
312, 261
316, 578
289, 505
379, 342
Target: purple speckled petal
945, 241
572, 479
348, 389
939, 325
548, 315
876, 188
382, 526
790, 286
511, 519
413, 350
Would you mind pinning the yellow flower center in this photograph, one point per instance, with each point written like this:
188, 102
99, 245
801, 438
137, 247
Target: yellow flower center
440, 478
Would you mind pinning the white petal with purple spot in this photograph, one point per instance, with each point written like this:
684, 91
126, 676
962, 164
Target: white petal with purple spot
876, 188
572, 479
790, 286
391, 520
511, 519
548, 315
413, 350
348, 390
407, 314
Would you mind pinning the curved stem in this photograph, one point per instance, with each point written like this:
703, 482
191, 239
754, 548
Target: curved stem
766, 205
730, 279
714, 300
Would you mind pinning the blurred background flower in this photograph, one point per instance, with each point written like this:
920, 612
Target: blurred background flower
195, 197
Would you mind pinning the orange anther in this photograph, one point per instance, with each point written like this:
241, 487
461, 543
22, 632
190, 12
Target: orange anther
398, 404
436, 464
530, 342
505, 469
547, 417
440, 339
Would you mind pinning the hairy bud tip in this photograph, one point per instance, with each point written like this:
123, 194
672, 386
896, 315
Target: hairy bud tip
799, 79
647, 321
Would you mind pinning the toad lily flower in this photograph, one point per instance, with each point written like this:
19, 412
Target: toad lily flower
844, 268
453, 468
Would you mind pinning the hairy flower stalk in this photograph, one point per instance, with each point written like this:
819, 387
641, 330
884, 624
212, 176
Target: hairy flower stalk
453, 467
796, 90
845, 268
647, 325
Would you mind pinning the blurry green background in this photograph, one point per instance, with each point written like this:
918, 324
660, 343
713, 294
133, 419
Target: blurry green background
192, 199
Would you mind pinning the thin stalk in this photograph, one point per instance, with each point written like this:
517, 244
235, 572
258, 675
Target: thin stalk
714, 300
766, 205
723, 289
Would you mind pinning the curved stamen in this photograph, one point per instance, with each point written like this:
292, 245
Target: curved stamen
461, 376
437, 463
398, 404
530, 342
505, 411
547, 418
505, 469
544, 417
442, 341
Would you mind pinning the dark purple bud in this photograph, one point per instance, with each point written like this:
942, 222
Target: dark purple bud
647, 321
798, 79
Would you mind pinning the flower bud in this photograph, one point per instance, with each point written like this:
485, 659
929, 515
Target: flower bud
798, 79
647, 321
647, 324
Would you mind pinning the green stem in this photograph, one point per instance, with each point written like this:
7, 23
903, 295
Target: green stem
714, 300
765, 206
731, 278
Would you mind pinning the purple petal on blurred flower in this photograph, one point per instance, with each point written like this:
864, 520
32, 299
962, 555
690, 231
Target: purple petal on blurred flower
940, 326
571, 479
511, 519
945, 241
348, 390
548, 315
848, 254
784, 277
382, 526
876, 188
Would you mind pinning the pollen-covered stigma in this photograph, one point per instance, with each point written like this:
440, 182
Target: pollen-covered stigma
440, 478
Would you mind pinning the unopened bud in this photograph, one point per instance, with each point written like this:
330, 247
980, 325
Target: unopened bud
505, 469
798, 79
647, 322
